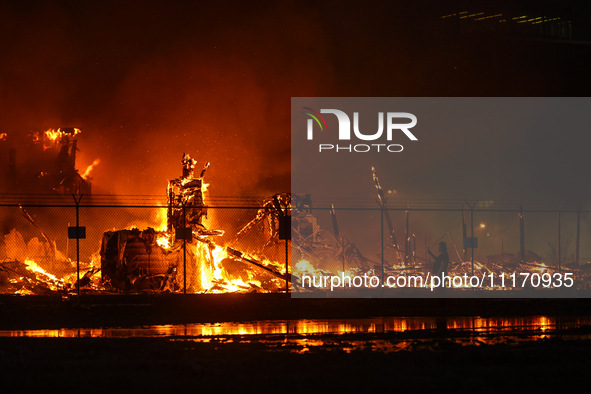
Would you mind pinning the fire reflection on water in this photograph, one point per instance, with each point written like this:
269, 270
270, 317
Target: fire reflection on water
345, 335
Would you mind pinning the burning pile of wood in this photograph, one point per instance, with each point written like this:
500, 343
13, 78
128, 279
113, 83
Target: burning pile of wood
28, 266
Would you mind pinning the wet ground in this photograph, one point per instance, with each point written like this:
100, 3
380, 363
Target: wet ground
180, 347
383, 334
414, 354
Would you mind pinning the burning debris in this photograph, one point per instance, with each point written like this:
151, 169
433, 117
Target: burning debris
268, 217
321, 253
182, 255
32, 274
321, 249
134, 260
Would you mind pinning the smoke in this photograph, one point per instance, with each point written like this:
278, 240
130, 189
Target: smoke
148, 81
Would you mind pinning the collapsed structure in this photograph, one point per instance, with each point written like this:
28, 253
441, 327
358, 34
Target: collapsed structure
46, 162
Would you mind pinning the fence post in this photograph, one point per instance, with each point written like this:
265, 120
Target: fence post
184, 252
342, 242
382, 239
286, 265
77, 201
521, 236
471, 232
406, 238
472, 236
464, 249
578, 237
78, 248
559, 251
414, 248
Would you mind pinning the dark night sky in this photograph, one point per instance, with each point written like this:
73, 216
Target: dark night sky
148, 80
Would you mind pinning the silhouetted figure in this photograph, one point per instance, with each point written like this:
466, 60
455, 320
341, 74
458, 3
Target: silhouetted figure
442, 261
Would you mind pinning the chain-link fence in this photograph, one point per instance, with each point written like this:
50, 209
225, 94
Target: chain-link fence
481, 249
130, 248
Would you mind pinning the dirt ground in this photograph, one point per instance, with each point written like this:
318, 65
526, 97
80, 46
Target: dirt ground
159, 365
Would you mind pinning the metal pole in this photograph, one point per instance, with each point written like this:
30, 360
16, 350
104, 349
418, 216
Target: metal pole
184, 253
521, 236
414, 248
578, 237
464, 234
382, 240
559, 251
78, 246
342, 242
68, 244
472, 236
406, 239
77, 201
286, 265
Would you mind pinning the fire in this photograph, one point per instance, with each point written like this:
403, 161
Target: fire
163, 257
56, 135
52, 137
206, 272
304, 266
161, 218
231, 284
164, 240
33, 267
50, 280
90, 168
3, 136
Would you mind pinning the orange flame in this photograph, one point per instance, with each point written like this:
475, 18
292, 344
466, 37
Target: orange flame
56, 135
53, 137
90, 168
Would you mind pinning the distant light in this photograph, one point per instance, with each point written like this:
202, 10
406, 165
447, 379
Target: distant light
482, 225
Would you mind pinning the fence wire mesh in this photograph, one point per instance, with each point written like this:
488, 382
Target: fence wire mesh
128, 248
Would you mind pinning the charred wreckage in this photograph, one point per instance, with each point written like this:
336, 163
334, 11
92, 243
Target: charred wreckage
48, 162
